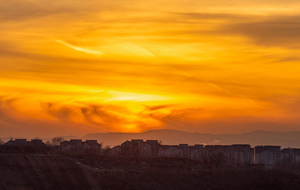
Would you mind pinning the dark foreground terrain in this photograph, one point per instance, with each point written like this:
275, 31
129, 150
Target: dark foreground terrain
59, 172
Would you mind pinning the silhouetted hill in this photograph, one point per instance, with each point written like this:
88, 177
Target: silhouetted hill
42, 172
61, 173
167, 136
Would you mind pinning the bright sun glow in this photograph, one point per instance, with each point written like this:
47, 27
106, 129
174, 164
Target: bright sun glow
100, 66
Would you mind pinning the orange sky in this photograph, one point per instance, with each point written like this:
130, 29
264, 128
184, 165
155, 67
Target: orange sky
75, 67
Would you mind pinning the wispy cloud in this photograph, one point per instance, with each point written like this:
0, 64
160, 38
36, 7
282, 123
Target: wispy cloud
82, 49
138, 49
105, 116
181, 63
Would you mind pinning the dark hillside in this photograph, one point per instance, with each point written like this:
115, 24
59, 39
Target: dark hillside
204, 180
41, 172
44, 172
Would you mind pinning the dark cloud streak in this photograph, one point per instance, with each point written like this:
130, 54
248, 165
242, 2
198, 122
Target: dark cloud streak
7, 109
276, 31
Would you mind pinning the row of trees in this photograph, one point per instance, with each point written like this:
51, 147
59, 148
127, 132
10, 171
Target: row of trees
55, 141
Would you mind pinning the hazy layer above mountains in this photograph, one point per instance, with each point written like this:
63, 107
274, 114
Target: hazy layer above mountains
175, 137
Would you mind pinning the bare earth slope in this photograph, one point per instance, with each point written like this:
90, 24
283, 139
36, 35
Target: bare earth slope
44, 172
41, 172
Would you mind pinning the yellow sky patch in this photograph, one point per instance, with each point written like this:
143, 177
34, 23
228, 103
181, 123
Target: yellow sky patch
133, 66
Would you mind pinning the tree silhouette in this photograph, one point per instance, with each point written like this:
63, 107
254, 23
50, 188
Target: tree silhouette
215, 160
105, 151
130, 149
55, 141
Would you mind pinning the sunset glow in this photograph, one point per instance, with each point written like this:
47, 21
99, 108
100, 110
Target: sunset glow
76, 67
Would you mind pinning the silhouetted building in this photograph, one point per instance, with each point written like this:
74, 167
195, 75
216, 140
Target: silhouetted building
290, 155
36, 143
196, 152
236, 154
267, 155
116, 151
170, 151
78, 145
224, 150
24, 142
17, 142
185, 150
139, 148
242, 154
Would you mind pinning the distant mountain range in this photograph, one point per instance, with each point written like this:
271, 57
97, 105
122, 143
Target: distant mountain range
175, 137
